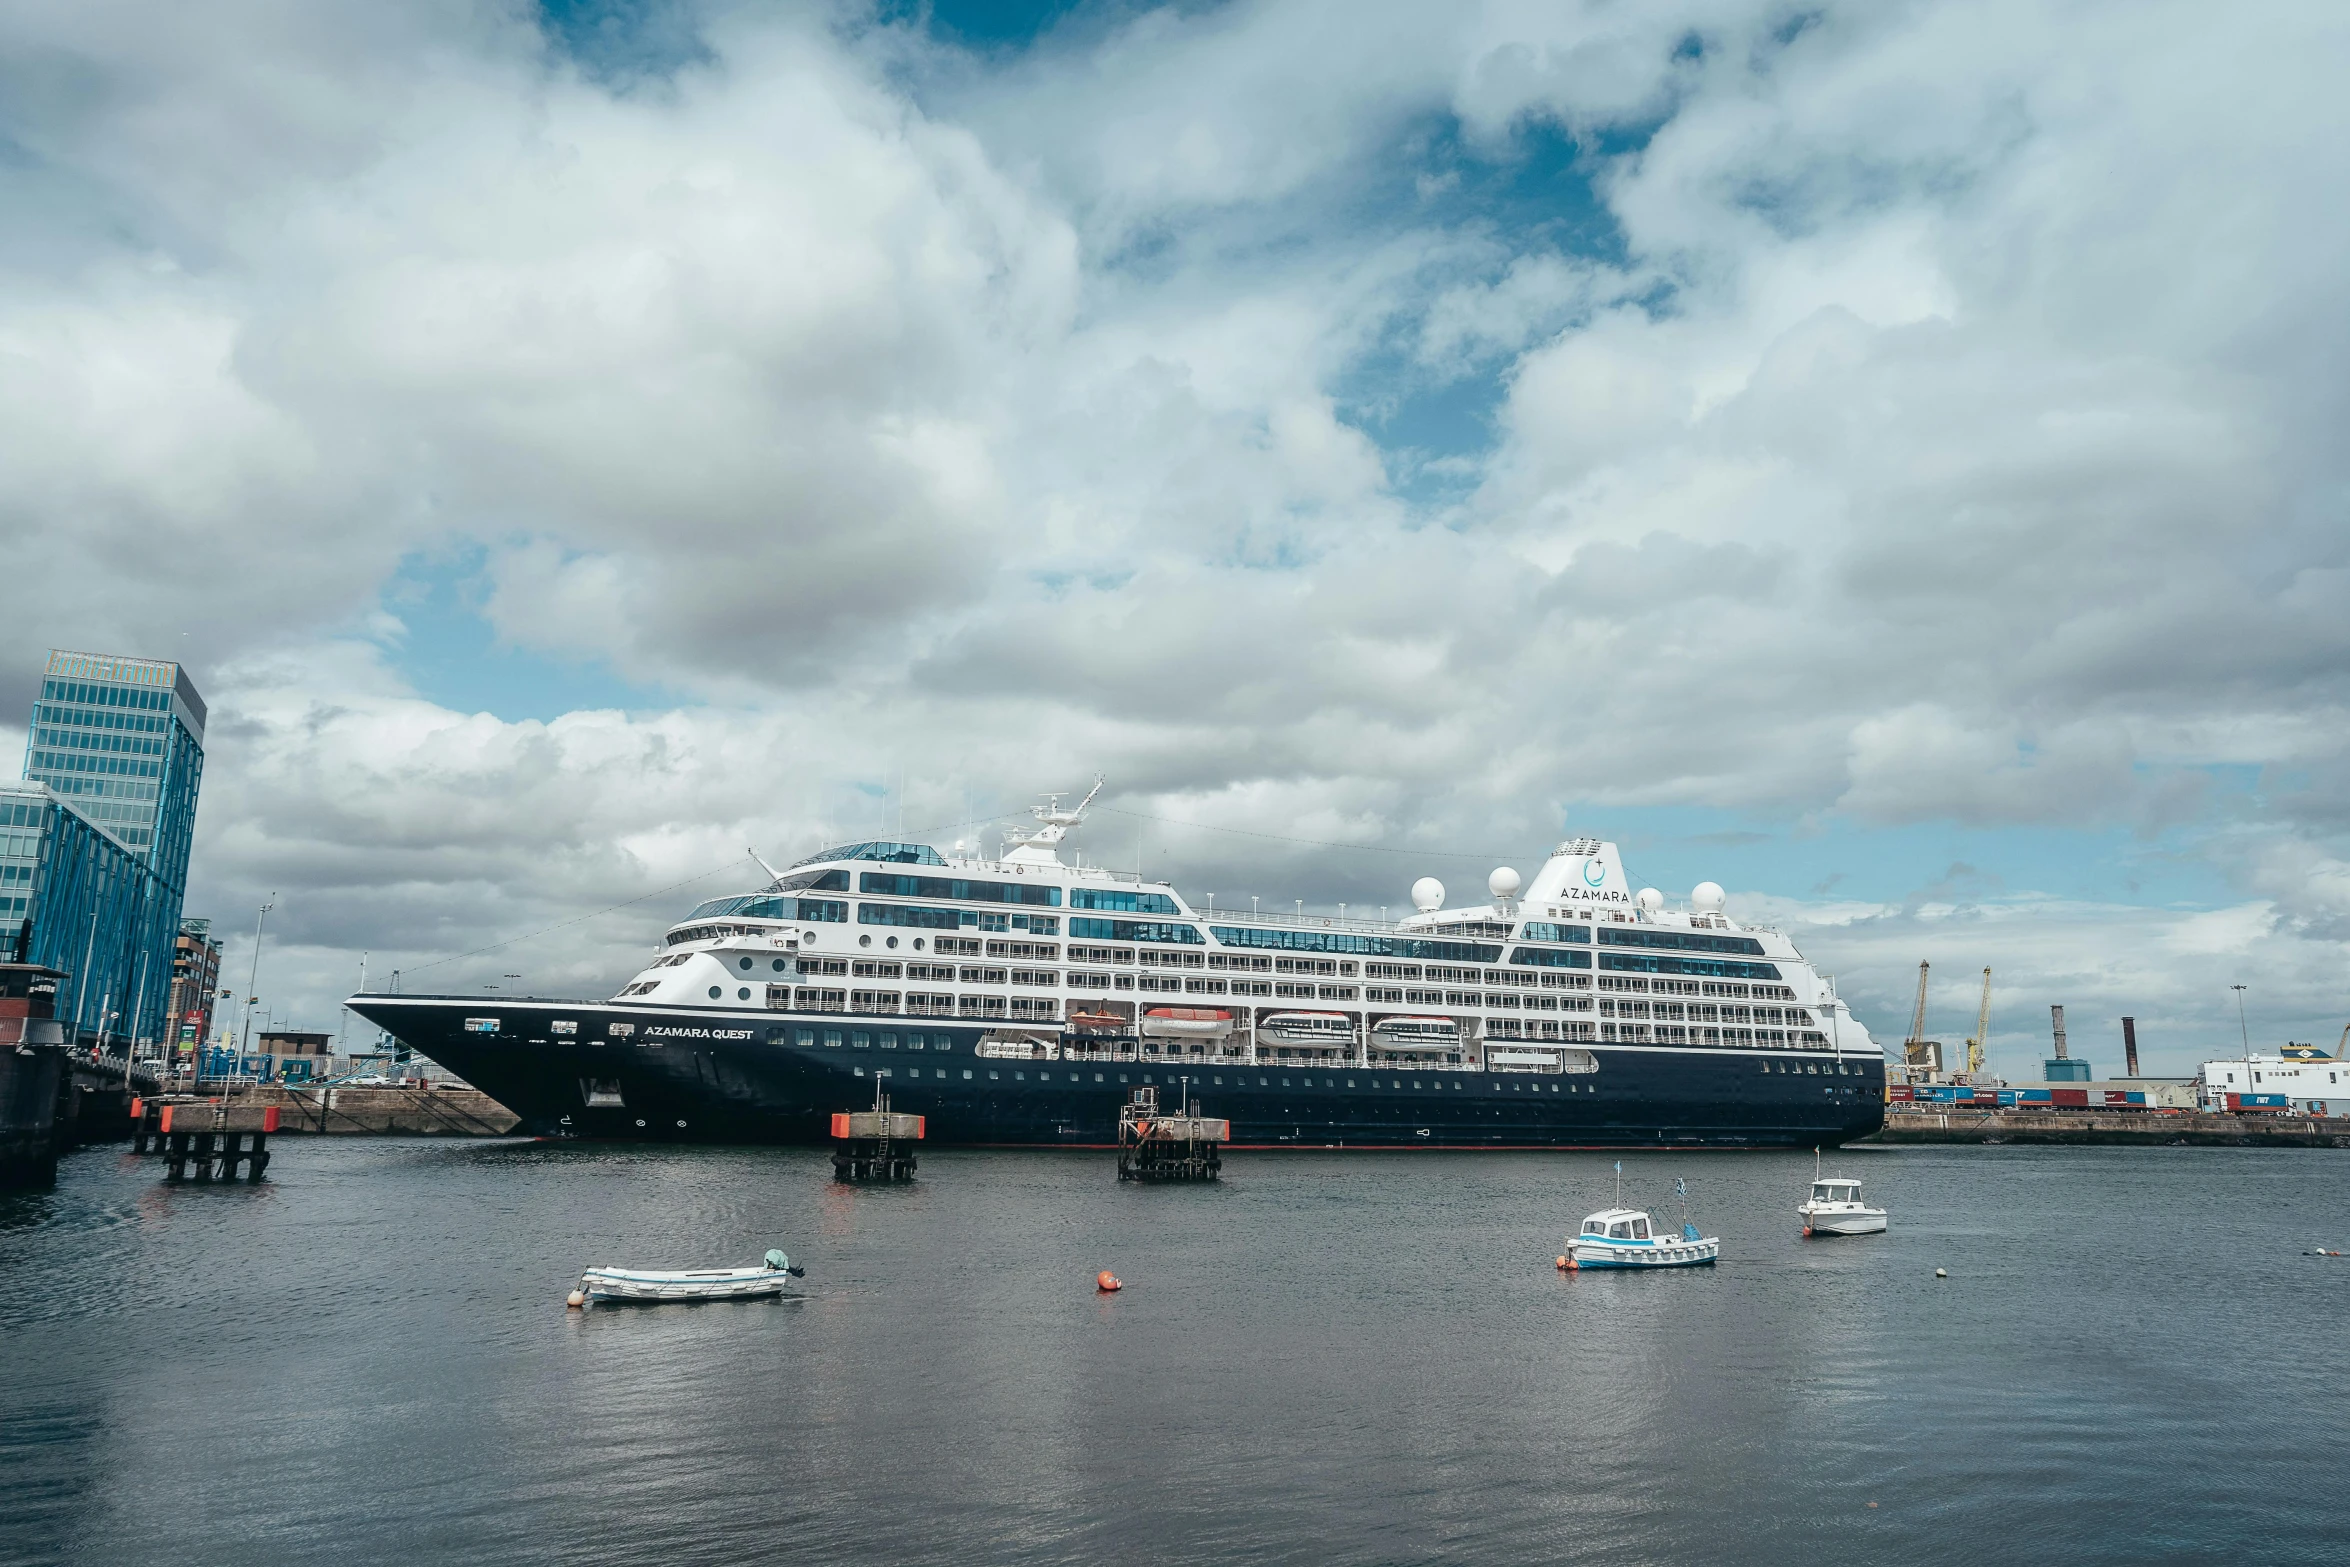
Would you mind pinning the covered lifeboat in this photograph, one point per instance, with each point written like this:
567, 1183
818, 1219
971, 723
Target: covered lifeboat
1186, 1023
1416, 1033
1307, 1028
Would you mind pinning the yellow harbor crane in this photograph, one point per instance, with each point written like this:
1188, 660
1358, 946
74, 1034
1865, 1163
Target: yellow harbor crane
1919, 1053
1978, 1049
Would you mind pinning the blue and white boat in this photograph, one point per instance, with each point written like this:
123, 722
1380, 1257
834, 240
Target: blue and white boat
1624, 1238
645, 1286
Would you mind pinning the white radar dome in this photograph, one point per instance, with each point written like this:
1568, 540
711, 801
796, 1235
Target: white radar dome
1427, 894
1650, 900
1504, 883
1706, 897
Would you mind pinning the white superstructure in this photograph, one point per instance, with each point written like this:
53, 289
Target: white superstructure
1083, 960
2314, 1082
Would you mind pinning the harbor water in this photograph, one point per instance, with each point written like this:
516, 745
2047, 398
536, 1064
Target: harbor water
1322, 1358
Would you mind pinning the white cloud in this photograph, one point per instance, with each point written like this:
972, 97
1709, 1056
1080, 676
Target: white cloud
1947, 432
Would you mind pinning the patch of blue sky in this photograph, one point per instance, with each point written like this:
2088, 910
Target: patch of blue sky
1059, 583
1000, 24
621, 41
450, 654
1533, 195
1673, 848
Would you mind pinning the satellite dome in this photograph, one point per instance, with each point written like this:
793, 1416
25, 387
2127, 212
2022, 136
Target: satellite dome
1427, 894
1650, 900
1706, 897
1504, 884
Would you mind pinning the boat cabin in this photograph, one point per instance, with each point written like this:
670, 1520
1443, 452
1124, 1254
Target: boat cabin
1618, 1224
1835, 1191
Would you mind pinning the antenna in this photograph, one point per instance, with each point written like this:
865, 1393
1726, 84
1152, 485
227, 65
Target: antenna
774, 876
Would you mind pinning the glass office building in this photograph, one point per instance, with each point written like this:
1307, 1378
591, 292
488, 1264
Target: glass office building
123, 738
94, 843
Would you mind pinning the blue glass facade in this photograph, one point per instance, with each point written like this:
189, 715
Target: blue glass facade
73, 898
123, 738
114, 759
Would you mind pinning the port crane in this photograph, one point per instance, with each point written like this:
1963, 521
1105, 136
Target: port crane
1918, 1052
1978, 1049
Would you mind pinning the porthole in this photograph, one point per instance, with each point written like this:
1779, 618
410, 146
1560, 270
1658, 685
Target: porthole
917, 943
746, 965
779, 965
716, 992
864, 941
891, 942
742, 993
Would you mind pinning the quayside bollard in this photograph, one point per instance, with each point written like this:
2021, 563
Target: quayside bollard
876, 1144
1186, 1146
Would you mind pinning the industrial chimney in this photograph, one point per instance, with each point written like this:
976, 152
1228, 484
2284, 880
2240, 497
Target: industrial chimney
2061, 1067
2130, 1046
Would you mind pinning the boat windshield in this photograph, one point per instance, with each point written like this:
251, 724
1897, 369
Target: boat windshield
1640, 1229
1823, 1194
1594, 1227
1620, 1231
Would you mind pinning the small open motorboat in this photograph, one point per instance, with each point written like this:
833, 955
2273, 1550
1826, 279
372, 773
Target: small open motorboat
771, 1277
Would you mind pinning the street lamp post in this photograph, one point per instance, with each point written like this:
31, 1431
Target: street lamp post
254, 977
81, 981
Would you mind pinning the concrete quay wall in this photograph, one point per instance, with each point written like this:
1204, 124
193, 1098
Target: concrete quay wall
381, 1112
2118, 1127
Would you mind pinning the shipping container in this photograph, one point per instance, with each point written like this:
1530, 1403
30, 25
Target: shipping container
2256, 1101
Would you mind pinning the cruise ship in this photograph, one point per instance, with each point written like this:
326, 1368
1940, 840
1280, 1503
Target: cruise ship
1020, 1000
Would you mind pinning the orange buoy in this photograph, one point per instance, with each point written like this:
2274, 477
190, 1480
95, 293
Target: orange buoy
1573, 1266
1562, 1263
1107, 1282
1807, 1229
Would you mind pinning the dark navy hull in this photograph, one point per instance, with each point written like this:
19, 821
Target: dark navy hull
735, 1077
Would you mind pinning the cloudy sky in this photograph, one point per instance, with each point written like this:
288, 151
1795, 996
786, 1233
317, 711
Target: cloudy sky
1888, 458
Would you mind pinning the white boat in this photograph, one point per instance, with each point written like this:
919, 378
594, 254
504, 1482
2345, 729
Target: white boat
1307, 1028
771, 1277
1186, 1023
1624, 1238
1416, 1033
1835, 1208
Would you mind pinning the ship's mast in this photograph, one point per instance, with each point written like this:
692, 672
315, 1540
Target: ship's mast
1040, 845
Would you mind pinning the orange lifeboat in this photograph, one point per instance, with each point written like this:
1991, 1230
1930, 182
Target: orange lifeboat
1187, 1022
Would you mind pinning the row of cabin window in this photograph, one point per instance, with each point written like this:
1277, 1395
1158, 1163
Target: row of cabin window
834, 1038
1704, 1012
1723, 989
1020, 1075
910, 916
915, 1004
